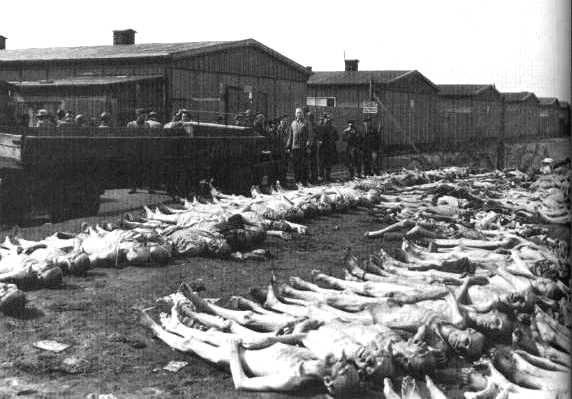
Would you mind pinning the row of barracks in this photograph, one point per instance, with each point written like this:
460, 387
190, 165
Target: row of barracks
219, 79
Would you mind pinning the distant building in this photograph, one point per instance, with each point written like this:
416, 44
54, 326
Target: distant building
549, 124
564, 116
403, 103
468, 112
212, 79
522, 111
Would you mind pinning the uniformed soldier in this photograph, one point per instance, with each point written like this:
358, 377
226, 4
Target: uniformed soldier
139, 120
186, 115
281, 139
370, 149
327, 146
43, 119
105, 119
175, 121
312, 149
68, 119
259, 124
153, 120
353, 149
80, 121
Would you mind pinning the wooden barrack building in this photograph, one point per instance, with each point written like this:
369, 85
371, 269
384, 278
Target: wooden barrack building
212, 79
403, 103
468, 112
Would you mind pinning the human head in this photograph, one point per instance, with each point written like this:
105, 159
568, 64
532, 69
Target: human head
140, 115
351, 122
259, 119
49, 276
547, 161
238, 119
105, 116
80, 119
546, 287
42, 114
493, 323
467, 342
284, 121
299, 113
177, 116
416, 357
185, 115
379, 365
69, 116
76, 264
517, 302
60, 113
342, 378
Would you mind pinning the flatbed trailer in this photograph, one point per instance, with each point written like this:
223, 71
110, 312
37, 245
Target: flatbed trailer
63, 171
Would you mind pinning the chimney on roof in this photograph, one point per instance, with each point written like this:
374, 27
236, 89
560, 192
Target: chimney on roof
126, 36
351, 65
309, 68
3, 42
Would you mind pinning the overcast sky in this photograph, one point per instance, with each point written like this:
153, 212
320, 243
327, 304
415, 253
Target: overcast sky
518, 45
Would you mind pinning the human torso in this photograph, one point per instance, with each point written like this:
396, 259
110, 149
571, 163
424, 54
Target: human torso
351, 136
275, 359
299, 135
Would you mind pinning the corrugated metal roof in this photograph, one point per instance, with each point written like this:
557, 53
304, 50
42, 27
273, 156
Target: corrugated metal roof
134, 51
85, 81
463, 89
518, 97
355, 77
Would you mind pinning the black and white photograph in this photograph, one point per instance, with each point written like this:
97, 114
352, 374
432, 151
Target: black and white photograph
288, 199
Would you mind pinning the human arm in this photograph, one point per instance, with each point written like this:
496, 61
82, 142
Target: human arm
421, 334
289, 133
457, 319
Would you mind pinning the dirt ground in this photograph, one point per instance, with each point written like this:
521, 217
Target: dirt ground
110, 353
111, 356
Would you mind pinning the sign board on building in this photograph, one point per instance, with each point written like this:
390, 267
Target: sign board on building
369, 107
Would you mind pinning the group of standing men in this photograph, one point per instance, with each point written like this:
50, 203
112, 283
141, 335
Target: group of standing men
312, 147
363, 147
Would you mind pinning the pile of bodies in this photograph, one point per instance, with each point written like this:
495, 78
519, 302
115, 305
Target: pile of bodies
225, 226
456, 211
490, 329
479, 293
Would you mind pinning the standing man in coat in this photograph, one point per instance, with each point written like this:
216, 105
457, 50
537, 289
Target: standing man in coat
312, 149
353, 150
297, 145
327, 147
370, 149
282, 135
